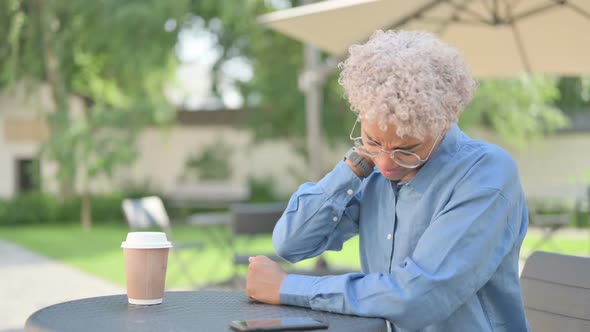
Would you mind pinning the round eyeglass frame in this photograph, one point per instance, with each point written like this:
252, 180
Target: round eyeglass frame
358, 143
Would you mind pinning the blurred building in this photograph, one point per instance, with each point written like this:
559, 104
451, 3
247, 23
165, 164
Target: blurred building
556, 166
549, 167
163, 152
22, 130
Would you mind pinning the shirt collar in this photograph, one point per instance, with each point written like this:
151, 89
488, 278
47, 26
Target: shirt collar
446, 150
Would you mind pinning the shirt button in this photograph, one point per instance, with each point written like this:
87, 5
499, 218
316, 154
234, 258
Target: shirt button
335, 219
389, 236
350, 192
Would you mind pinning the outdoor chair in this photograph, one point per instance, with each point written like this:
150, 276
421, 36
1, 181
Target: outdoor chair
249, 220
148, 213
556, 291
549, 223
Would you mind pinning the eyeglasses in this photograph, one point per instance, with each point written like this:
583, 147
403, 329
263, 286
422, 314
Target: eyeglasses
403, 158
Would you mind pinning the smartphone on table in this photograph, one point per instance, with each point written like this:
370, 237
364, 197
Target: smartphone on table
283, 324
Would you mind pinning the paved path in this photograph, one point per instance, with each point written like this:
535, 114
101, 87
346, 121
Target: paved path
29, 282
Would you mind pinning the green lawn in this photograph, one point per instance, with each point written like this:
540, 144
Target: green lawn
571, 242
98, 252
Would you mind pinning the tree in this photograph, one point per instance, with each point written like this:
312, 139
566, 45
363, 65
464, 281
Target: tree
516, 109
114, 55
276, 59
574, 94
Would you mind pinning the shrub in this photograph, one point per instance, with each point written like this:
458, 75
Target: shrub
262, 190
29, 208
44, 208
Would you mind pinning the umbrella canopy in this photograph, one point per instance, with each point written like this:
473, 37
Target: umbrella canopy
498, 38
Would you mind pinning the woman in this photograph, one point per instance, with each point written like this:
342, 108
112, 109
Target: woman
440, 216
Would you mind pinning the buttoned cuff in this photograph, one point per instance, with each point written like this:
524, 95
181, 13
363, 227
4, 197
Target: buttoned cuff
296, 290
341, 181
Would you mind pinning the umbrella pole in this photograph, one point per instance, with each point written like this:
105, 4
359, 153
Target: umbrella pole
310, 83
313, 104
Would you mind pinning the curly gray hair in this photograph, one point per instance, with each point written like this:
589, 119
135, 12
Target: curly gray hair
407, 78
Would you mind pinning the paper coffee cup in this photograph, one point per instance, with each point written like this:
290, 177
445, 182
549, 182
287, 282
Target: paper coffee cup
146, 261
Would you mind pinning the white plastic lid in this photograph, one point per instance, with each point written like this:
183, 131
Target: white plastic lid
146, 240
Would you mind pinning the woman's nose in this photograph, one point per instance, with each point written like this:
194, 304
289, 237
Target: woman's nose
384, 161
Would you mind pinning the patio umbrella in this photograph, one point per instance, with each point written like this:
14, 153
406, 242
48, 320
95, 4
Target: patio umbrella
497, 37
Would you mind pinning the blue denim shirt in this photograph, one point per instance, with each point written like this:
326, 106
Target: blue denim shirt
438, 253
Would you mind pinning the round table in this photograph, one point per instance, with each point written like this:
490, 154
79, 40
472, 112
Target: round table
208, 311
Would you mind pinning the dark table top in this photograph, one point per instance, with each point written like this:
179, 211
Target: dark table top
208, 311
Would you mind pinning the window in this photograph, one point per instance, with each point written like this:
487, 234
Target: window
27, 175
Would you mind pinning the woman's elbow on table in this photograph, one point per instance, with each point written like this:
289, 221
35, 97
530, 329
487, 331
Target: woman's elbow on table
409, 313
285, 248
405, 305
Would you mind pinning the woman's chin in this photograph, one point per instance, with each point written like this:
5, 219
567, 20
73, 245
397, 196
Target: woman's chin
399, 175
394, 175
